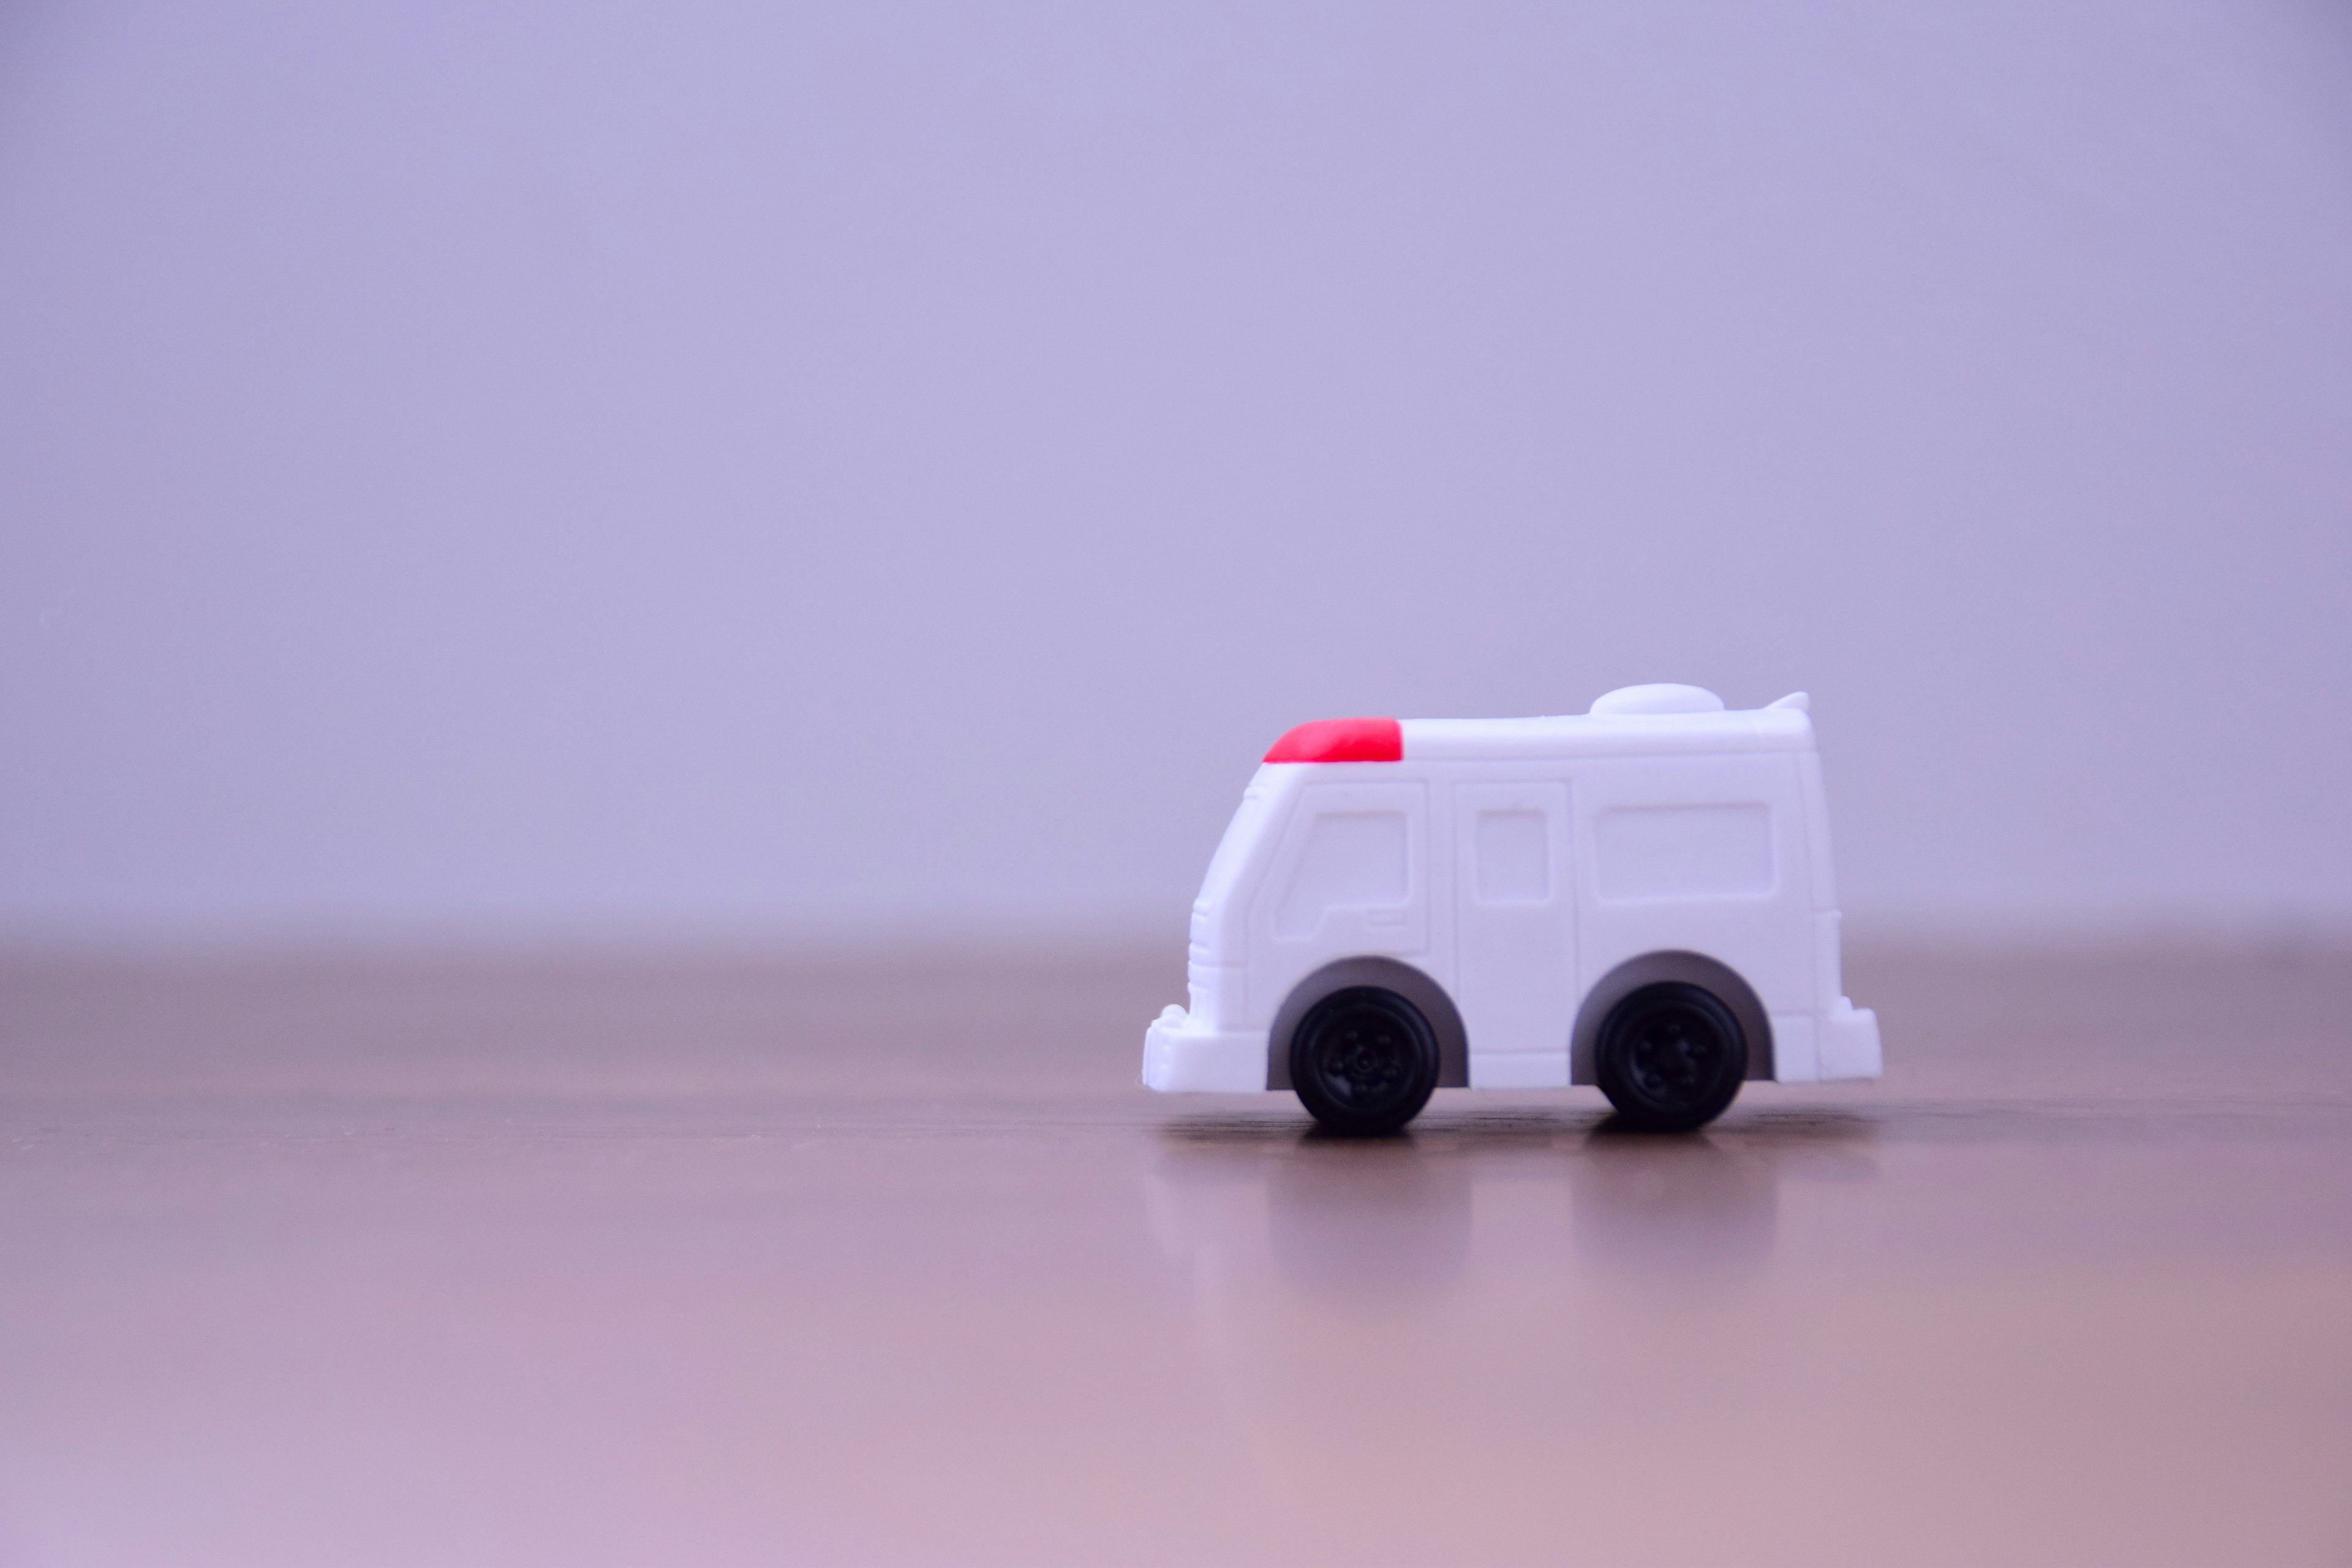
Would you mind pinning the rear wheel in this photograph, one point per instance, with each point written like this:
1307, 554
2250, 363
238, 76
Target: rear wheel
1363, 1060
1670, 1057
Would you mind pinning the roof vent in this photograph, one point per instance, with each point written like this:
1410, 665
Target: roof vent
1664, 698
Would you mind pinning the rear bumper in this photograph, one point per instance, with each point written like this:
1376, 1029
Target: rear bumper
1849, 1042
1183, 1056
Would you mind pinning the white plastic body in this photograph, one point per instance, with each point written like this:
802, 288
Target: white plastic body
1518, 864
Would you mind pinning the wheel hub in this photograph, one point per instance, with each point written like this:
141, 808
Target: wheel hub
1364, 1061
1672, 1060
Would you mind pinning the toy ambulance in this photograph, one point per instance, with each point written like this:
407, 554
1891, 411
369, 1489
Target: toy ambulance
1639, 897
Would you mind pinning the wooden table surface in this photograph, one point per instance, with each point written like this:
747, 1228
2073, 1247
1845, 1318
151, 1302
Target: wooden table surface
665, 1261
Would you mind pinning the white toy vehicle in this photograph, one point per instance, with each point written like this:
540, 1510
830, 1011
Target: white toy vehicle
1639, 897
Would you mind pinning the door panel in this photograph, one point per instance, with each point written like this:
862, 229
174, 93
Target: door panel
1515, 912
1350, 878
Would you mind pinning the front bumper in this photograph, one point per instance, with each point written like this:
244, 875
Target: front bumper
1181, 1055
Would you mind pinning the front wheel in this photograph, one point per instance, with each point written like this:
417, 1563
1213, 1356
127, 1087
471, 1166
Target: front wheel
1363, 1060
1670, 1057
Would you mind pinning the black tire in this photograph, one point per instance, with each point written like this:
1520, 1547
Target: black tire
1670, 1057
1363, 1060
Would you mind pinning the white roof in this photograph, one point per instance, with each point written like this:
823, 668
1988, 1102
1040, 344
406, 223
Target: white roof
1636, 721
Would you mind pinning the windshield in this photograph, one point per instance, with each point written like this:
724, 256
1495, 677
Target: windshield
1243, 834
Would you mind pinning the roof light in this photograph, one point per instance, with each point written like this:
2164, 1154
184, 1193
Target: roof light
1662, 697
1341, 741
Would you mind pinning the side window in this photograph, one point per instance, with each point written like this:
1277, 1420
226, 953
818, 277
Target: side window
1353, 860
1514, 851
1683, 852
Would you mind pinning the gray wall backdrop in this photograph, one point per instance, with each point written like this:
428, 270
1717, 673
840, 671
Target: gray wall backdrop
519, 469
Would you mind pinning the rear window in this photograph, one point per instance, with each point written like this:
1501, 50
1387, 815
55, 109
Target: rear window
1683, 852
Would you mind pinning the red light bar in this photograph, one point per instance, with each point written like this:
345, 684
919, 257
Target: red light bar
1341, 741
